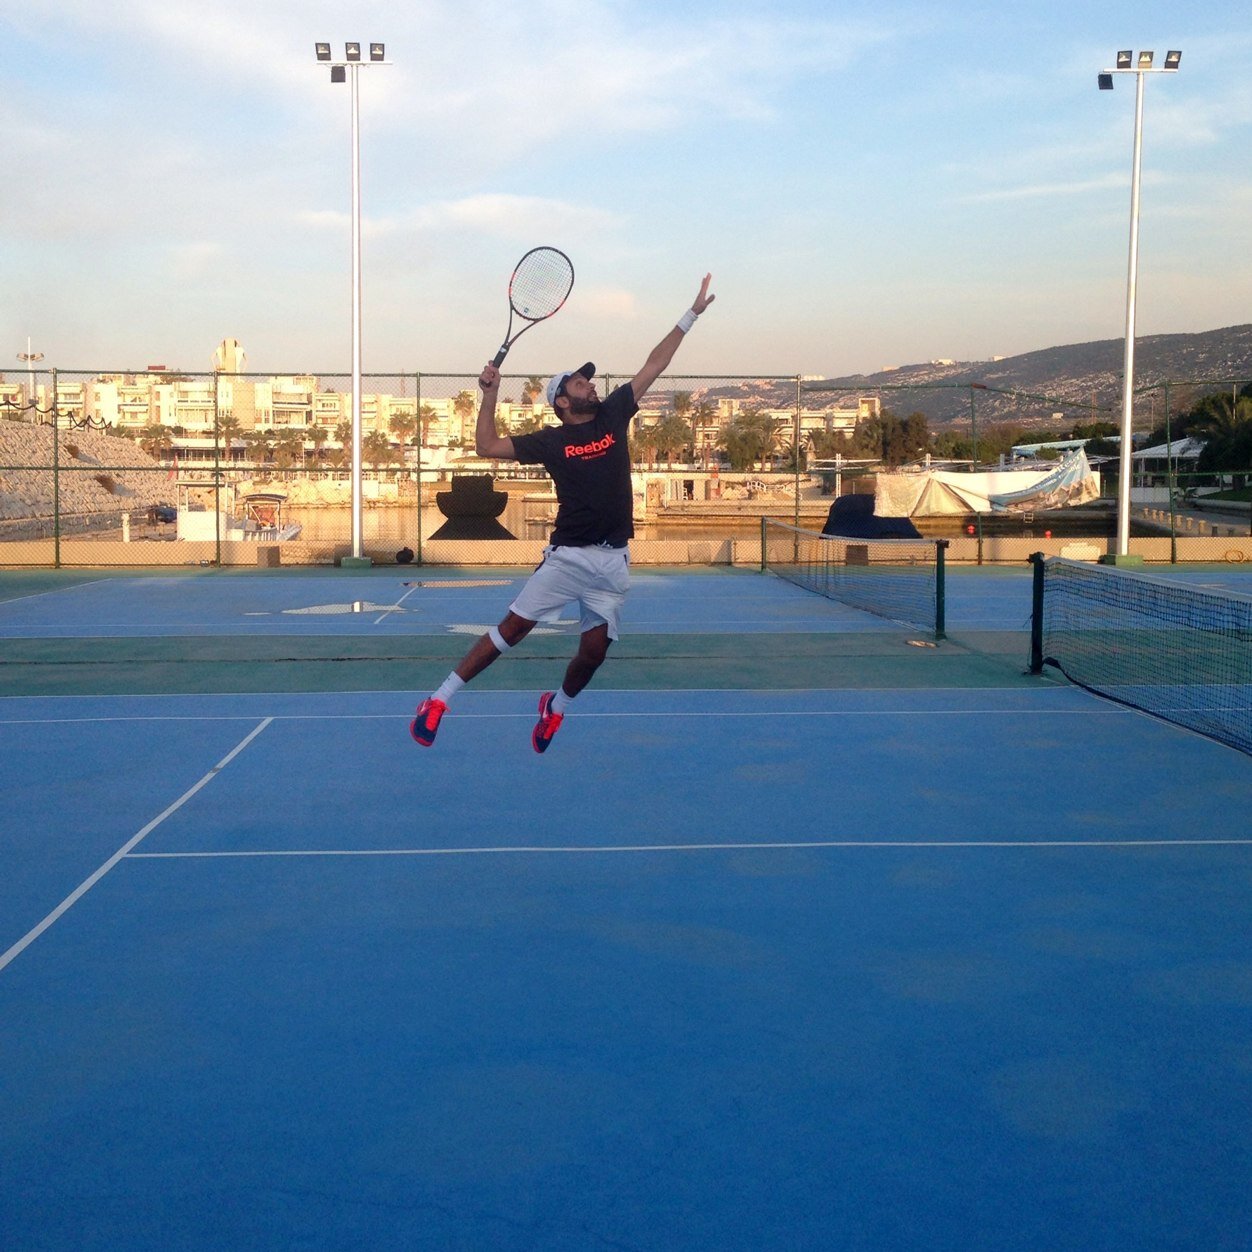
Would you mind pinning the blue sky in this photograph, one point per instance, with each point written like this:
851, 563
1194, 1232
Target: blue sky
870, 184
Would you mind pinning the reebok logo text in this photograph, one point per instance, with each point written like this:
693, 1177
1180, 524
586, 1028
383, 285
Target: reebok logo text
590, 449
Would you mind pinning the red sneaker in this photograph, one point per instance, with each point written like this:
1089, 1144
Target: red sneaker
425, 725
547, 725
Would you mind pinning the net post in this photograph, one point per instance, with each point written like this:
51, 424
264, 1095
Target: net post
764, 563
941, 547
1036, 614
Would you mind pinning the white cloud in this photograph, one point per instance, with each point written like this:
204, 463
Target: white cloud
497, 215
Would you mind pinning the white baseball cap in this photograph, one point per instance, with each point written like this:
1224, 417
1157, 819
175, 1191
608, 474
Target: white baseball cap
555, 383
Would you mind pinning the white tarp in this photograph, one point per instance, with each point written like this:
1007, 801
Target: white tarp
946, 492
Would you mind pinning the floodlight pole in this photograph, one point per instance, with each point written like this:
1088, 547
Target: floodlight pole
357, 515
1128, 358
1127, 64
350, 66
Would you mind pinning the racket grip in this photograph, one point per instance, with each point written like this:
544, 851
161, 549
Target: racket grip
499, 356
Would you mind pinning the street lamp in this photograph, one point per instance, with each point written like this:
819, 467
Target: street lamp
30, 358
1127, 63
339, 71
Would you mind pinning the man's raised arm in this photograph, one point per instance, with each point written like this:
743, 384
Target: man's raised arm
486, 442
660, 356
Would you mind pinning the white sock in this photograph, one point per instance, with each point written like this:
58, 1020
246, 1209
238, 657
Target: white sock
451, 685
560, 702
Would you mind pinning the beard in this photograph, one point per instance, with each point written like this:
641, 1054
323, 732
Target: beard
587, 407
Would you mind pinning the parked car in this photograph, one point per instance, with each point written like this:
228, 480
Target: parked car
162, 513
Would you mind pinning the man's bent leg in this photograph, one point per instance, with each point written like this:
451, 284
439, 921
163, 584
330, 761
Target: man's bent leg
512, 630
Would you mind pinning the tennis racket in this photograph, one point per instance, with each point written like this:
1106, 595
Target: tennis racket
542, 281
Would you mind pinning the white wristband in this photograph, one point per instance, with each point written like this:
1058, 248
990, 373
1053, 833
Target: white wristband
687, 321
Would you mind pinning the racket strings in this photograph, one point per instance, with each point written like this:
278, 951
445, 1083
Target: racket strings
540, 283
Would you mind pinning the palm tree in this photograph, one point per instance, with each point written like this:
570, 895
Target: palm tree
426, 417
1225, 425
317, 437
402, 426
228, 430
288, 448
703, 415
463, 408
682, 411
750, 438
531, 388
155, 441
376, 449
671, 434
259, 444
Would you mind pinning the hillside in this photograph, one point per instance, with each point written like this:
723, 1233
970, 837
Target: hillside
1074, 380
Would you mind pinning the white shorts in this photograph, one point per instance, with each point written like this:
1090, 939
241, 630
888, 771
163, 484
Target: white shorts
596, 578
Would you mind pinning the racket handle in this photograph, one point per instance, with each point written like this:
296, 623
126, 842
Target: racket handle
504, 351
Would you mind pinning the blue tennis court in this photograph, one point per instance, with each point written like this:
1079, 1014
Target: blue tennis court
809, 932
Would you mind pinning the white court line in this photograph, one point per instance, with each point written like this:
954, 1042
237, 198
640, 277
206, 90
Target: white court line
383, 615
81, 890
587, 715
52, 591
590, 849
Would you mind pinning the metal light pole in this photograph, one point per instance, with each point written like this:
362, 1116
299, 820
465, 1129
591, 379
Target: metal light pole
1127, 63
339, 72
30, 358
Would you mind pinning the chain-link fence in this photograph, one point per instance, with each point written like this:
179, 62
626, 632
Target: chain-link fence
151, 468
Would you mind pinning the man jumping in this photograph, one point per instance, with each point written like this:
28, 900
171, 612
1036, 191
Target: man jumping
587, 558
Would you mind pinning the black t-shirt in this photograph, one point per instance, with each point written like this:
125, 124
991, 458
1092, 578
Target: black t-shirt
590, 467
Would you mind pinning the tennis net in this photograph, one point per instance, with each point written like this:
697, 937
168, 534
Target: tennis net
1180, 652
898, 579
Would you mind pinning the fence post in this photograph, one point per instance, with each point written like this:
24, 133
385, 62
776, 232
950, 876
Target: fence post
417, 401
1169, 481
217, 472
56, 475
795, 446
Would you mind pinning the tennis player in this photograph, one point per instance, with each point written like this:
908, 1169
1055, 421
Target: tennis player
586, 559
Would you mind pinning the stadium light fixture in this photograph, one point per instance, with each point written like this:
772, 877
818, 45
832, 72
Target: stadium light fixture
338, 74
1126, 64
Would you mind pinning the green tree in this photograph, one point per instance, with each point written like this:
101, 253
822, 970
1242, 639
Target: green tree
228, 430
376, 449
750, 438
426, 417
288, 448
260, 445
671, 434
532, 388
403, 425
156, 441
1226, 428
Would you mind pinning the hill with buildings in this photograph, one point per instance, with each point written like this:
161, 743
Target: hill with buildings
1076, 381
